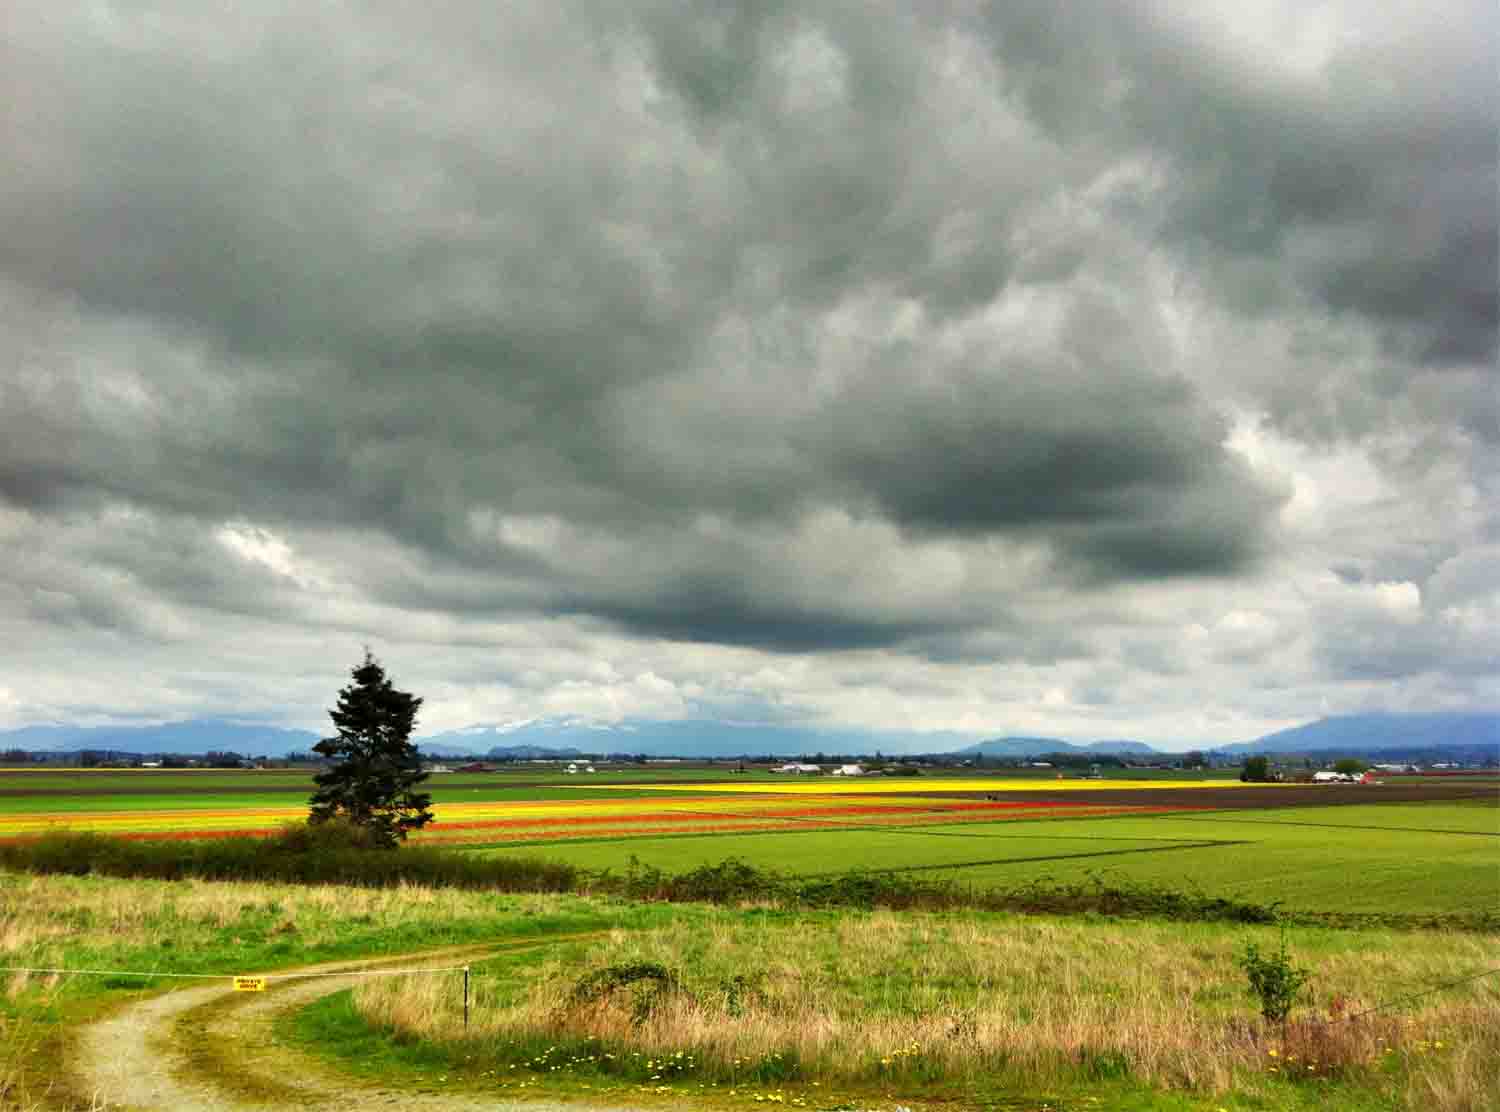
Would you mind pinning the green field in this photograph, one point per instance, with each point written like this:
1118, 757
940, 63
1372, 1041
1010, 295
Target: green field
1418, 858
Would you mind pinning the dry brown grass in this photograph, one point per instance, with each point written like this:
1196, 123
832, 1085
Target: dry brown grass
45, 918
926, 998
1456, 1068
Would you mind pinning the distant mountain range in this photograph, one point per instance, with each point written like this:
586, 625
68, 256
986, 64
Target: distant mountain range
197, 736
1037, 746
1359, 734
1462, 736
690, 738
541, 738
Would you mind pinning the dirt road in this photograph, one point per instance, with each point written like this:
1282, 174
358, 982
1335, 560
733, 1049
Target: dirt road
208, 1048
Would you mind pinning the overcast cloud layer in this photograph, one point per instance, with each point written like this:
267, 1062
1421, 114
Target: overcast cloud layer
1092, 368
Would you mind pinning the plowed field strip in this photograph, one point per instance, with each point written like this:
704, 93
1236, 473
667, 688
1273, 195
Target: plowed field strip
870, 785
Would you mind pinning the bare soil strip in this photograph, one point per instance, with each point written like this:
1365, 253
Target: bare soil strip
1235, 799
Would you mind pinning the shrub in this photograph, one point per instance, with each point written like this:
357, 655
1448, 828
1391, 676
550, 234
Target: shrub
330, 834
1274, 979
648, 984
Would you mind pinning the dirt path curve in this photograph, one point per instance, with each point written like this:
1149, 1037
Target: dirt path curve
210, 1049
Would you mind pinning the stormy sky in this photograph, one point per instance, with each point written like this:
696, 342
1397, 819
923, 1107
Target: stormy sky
1090, 368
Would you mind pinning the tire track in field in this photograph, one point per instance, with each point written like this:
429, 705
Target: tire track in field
1170, 843
1211, 844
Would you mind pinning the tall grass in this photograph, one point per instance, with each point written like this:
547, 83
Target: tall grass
958, 1001
1461, 1076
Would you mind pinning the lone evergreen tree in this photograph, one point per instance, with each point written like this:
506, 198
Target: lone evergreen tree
378, 767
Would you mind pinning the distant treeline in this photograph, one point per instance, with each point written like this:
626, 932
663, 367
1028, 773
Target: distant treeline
116, 758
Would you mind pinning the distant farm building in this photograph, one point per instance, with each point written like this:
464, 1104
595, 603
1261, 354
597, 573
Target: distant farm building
798, 769
849, 770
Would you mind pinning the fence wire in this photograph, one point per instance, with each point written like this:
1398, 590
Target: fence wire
232, 976
1389, 1004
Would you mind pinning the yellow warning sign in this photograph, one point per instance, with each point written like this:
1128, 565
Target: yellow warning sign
249, 984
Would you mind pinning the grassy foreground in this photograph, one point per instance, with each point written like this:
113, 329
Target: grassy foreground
969, 1007
842, 1007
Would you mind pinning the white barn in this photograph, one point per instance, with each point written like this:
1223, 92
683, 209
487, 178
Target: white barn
1326, 777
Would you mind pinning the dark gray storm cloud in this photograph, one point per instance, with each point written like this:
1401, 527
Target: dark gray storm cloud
802, 327
1372, 181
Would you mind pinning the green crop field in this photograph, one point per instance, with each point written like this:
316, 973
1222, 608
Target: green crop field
1412, 858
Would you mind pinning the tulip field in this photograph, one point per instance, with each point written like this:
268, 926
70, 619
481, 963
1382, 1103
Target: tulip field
617, 811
